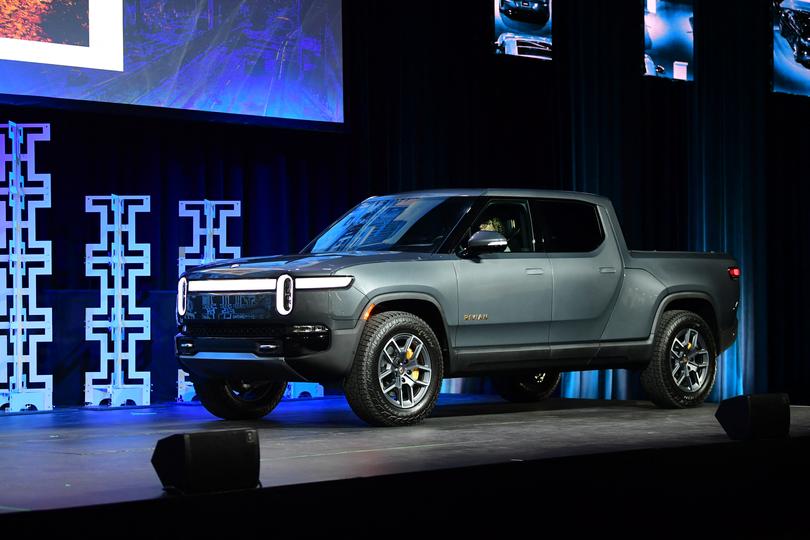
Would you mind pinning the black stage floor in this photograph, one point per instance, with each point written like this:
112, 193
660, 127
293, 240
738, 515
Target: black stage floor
80, 457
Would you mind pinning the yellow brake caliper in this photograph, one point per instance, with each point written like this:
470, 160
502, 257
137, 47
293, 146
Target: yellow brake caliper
414, 372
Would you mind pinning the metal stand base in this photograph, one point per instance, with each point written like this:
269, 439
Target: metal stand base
127, 395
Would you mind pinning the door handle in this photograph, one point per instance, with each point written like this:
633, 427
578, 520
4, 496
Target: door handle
535, 271
607, 270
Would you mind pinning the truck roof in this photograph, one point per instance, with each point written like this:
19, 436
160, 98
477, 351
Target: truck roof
509, 192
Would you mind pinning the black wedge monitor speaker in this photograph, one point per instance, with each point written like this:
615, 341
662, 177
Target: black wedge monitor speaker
756, 416
208, 461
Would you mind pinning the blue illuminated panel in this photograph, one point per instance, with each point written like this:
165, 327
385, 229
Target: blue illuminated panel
669, 43
791, 47
523, 28
280, 59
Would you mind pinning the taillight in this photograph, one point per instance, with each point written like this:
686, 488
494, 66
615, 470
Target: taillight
734, 272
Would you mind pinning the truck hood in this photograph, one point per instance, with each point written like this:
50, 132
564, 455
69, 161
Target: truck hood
302, 264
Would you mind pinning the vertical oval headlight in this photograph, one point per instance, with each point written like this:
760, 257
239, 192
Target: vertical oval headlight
182, 296
284, 294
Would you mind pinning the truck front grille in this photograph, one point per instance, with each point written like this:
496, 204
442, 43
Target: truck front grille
240, 330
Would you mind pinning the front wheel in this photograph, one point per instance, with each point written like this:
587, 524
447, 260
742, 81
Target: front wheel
239, 400
397, 371
683, 367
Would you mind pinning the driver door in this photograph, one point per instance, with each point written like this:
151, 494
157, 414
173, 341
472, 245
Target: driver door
505, 298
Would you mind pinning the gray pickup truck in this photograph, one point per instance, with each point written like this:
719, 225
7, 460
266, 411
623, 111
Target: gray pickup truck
405, 290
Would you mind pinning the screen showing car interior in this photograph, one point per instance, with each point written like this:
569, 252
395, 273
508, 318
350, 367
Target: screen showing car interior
523, 28
669, 42
267, 58
791, 46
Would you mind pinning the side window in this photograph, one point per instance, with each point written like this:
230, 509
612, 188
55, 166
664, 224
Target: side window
511, 219
568, 226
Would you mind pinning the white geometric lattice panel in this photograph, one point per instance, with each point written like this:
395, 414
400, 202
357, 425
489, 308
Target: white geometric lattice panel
209, 220
209, 235
23, 258
118, 259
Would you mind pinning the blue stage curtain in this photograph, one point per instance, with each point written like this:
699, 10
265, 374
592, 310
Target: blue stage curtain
724, 198
727, 180
604, 82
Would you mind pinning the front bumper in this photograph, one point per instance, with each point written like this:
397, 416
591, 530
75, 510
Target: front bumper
283, 355
242, 334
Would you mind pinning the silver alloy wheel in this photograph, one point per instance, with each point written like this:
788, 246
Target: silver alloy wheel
689, 360
404, 371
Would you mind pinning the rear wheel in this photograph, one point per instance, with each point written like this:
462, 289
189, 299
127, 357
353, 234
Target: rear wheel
526, 387
239, 400
397, 372
683, 367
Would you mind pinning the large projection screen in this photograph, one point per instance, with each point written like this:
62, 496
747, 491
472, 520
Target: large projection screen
791, 46
265, 58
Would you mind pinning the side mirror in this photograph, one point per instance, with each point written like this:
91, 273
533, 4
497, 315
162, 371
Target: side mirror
485, 242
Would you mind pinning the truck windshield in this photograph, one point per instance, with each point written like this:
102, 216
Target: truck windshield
393, 224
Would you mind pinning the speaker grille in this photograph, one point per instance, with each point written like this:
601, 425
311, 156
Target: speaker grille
208, 461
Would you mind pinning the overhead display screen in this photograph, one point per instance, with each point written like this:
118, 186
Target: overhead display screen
523, 28
267, 58
791, 46
669, 42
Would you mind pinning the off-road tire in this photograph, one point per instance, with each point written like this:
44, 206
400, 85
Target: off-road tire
523, 387
362, 386
657, 378
218, 397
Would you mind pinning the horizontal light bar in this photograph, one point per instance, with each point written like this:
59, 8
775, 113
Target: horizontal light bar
332, 282
269, 284
231, 285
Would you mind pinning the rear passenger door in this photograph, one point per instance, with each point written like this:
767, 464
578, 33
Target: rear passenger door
586, 267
